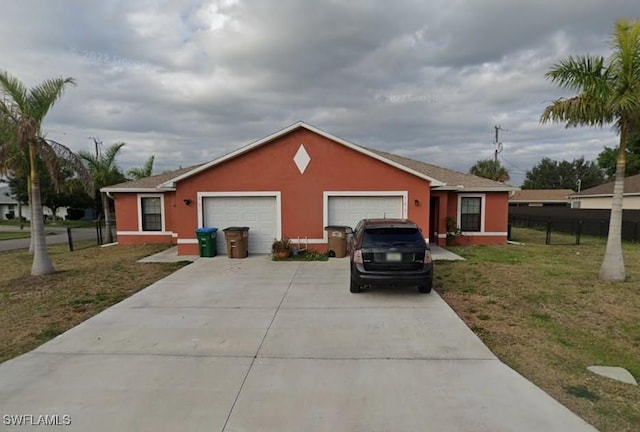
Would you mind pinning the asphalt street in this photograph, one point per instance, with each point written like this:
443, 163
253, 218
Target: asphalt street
55, 235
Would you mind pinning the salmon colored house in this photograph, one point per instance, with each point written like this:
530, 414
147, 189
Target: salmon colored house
298, 180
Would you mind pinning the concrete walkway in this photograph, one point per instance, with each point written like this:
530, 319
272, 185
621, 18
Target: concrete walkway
171, 255
255, 345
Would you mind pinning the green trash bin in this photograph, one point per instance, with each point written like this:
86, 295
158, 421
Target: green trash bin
207, 241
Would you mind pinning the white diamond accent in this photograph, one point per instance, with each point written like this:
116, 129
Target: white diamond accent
302, 159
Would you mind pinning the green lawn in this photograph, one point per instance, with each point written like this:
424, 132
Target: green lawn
10, 235
36, 309
543, 311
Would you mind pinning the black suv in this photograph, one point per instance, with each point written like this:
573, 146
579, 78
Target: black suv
390, 252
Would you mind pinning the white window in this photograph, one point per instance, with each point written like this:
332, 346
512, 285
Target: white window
471, 217
151, 213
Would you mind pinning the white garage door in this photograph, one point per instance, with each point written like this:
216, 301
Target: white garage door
256, 212
348, 210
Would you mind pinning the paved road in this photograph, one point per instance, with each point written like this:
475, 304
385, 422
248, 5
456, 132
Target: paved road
254, 345
55, 235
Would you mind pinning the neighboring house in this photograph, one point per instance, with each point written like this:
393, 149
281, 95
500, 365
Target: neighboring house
9, 206
10, 209
540, 198
295, 182
600, 197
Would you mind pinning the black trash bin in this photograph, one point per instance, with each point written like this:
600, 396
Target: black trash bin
237, 239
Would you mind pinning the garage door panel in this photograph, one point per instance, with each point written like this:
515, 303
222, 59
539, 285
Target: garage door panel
348, 210
256, 212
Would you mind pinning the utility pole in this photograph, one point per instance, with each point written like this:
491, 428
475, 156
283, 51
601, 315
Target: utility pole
498, 144
98, 145
497, 150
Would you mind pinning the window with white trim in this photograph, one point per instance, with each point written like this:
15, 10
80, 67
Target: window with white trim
470, 213
151, 209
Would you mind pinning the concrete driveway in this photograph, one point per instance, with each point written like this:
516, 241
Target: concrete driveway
255, 345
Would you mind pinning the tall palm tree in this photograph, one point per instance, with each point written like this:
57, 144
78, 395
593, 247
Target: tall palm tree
26, 109
54, 159
104, 172
144, 171
608, 93
490, 169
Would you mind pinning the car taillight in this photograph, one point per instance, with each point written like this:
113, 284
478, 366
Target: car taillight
357, 256
427, 256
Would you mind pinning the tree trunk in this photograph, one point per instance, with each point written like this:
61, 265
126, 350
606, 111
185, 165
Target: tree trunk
612, 268
30, 195
54, 211
20, 214
42, 264
107, 218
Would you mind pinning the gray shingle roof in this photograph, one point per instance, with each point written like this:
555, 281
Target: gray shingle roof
452, 178
631, 186
541, 195
148, 183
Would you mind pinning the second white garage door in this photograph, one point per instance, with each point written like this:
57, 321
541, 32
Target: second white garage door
259, 213
348, 210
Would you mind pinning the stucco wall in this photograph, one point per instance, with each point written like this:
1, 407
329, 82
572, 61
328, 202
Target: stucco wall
127, 221
333, 167
629, 202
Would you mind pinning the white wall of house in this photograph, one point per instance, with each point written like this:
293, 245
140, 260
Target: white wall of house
5, 208
630, 202
26, 211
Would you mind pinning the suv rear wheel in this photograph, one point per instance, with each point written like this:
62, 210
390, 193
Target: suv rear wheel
425, 288
354, 287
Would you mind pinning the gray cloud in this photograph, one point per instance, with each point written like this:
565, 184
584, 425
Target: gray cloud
191, 80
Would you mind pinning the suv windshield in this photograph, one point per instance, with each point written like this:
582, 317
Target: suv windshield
389, 236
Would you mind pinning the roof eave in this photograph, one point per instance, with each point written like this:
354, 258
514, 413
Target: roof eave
539, 201
475, 189
147, 190
489, 189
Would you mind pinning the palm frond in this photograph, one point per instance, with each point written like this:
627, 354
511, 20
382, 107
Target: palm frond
582, 110
583, 73
48, 158
625, 66
13, 87
145, 171
43, 96
109, 156
103, 168
70, 160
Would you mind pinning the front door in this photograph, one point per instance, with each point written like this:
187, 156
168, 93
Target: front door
434, 219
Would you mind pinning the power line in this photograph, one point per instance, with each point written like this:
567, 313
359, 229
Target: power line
520, 170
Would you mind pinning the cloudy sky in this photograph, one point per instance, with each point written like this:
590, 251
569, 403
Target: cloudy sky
190, 80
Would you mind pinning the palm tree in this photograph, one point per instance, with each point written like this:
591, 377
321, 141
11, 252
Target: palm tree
491, 169
608, 93
26, 109
54, 161
144, 171
104, 172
